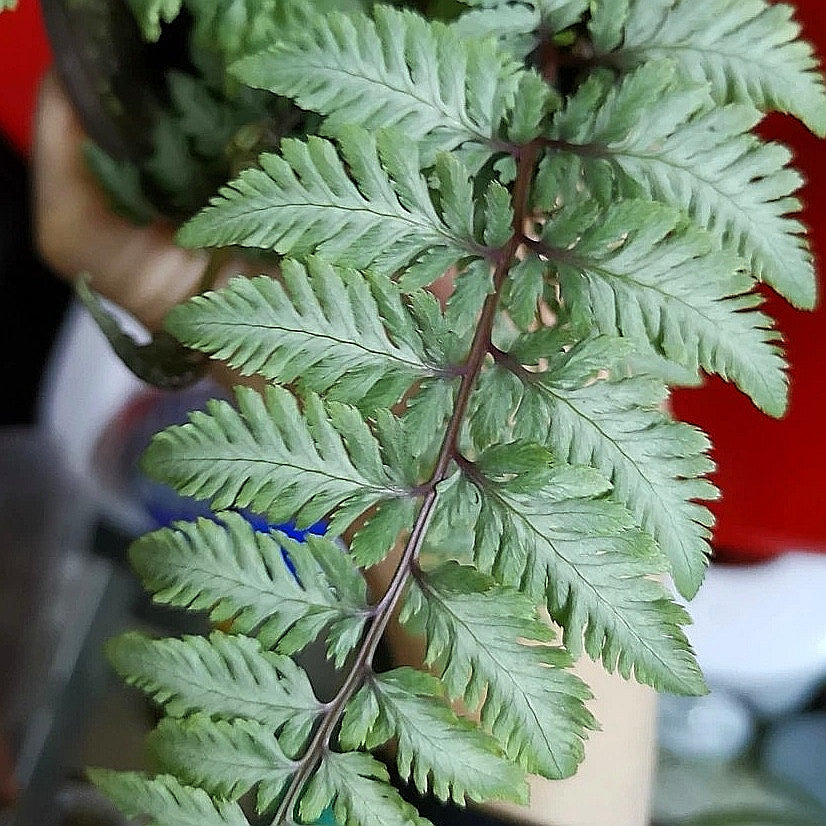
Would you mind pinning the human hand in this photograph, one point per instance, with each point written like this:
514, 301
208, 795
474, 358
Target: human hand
139, 268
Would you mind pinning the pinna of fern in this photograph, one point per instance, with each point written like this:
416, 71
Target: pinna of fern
607, 234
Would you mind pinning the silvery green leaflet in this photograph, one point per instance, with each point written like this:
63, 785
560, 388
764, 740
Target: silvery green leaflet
608, 226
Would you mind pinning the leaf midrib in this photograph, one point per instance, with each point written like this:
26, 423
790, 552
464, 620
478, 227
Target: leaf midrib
243, 694
360, 484
418, 366
428, 230
735, 56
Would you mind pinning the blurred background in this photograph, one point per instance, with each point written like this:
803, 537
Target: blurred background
73, 421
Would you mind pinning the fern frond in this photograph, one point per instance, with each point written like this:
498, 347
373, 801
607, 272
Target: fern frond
151, 13
165, 801
655, 464
494, 399
332, 331
381, 532
439, 749
426, 415
586, 174
556, 15
398, 70
277, 459
606, 23
638, 271
580, 554
226, 676
513, 24
241, 575
358, 788
488, 646
561, 14
236, 28
664, 142
748, 50
227, 759
519, 25
374, 212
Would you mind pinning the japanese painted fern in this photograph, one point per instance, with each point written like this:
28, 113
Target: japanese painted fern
589, 173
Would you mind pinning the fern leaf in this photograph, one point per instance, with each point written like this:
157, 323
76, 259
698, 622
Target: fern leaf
242, 576
582, 555
556, 15
398, 70
514, 25
323, 328
358, 788
276, 459
655, 465
519, 26
523, 291
425, 418
226, 677
492, 402
561, 14
151, 13
304, 201
748, 50
236, 28
606, 24
226, 759
435, 746
662, 285
165, 801
701, 160
381, 532
476, 636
